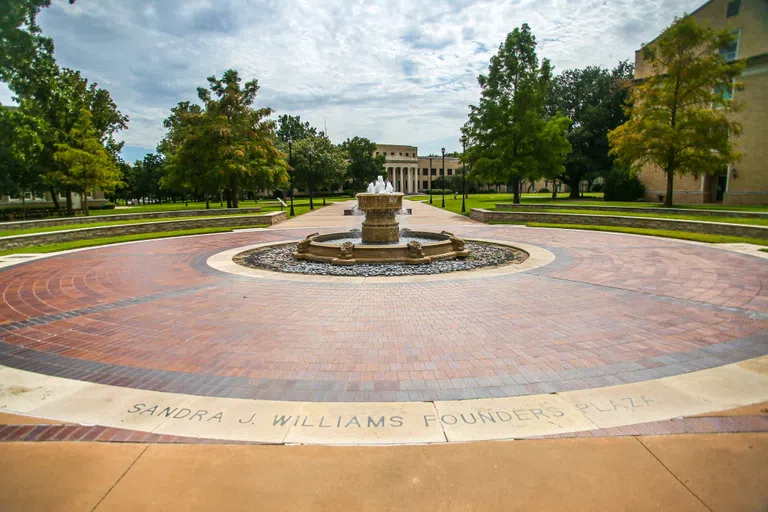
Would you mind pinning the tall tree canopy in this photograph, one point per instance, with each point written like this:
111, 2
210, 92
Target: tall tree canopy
291, 127
25, 53
328, 166
363, 166
19, 153
225, 143
511, 137
679, 117
593, 99
85, 163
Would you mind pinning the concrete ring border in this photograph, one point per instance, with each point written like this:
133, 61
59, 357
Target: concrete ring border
537, 257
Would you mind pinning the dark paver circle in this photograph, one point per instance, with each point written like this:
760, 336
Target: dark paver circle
610, 309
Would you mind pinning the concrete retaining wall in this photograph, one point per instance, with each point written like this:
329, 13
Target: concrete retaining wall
64, 221
636, 209
19, 241
711, 228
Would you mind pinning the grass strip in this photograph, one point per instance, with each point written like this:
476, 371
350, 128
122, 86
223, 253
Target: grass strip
660, 215
665, 233
79, 244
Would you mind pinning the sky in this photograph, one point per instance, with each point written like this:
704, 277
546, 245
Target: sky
394, 71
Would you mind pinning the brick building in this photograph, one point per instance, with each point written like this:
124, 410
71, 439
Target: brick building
746, 181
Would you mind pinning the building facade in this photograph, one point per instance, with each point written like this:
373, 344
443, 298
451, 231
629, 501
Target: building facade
746, 181
96, 199
411, 173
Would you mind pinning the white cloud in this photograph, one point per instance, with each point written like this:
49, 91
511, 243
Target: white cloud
394, 71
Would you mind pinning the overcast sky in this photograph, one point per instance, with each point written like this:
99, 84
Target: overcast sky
395, 71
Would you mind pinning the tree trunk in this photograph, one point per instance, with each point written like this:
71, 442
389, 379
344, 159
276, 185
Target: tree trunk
516, 185
554, 189
70, 209
574, 185
84, 199
54, 197
23, 205
670, 182
207, 202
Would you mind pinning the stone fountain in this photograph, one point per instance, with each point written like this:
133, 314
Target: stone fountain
381, 236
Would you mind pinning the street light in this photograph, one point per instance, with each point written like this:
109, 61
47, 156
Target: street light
443, 175
430, 180
463, 174
290, 164
311, 204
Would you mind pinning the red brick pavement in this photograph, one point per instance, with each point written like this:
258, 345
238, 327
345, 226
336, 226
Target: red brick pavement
611, 309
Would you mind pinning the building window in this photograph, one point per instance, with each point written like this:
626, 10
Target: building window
733, 8
434, 172
424, 171
392, 153
726, 90
450, 172
400, 154
425, 185
731, 52
407, 154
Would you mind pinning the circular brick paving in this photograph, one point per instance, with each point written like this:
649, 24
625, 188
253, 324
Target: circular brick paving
610, 309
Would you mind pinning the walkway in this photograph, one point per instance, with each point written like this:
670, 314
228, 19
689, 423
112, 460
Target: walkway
148, 346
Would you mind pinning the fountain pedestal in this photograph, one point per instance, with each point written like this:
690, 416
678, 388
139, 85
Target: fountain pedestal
380, 224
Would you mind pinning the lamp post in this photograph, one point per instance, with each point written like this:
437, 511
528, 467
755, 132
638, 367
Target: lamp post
443, 175
463, 174
430, 180
290, 164
311, 204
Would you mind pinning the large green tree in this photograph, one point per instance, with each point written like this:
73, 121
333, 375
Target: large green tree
679, 118
291, 128
510, 135
189, 163
317, 164
593, 99
363, 165
19, 152
86, 164
245, 155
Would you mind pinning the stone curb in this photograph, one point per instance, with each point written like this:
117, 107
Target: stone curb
63, 221
33, 239
636, 209
704, 227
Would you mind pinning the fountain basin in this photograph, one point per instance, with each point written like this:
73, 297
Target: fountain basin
380, 224
432, 247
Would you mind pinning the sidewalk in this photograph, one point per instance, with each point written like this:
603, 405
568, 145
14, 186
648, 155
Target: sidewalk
686, 472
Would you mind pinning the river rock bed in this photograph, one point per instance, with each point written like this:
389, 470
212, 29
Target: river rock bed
279, 258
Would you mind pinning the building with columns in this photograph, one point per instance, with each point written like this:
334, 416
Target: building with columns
411, 173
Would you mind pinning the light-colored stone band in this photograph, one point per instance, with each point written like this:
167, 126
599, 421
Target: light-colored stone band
384, 423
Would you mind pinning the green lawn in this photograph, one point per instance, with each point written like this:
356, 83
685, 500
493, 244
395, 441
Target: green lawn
78, 244
489, 201
684, 235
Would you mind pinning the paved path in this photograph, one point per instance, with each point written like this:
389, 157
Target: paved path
680, 473
610, 309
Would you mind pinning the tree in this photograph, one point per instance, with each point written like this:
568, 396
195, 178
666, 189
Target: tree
86, 163
593, 99
679, 117
24, 52
189, 164
327, 164
18, 154
510, 135
363, 166
242, 146
291, 127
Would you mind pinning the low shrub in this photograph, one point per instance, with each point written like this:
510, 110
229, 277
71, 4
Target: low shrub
439, 191
543, 191
621, 185
597, 187
108, 206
